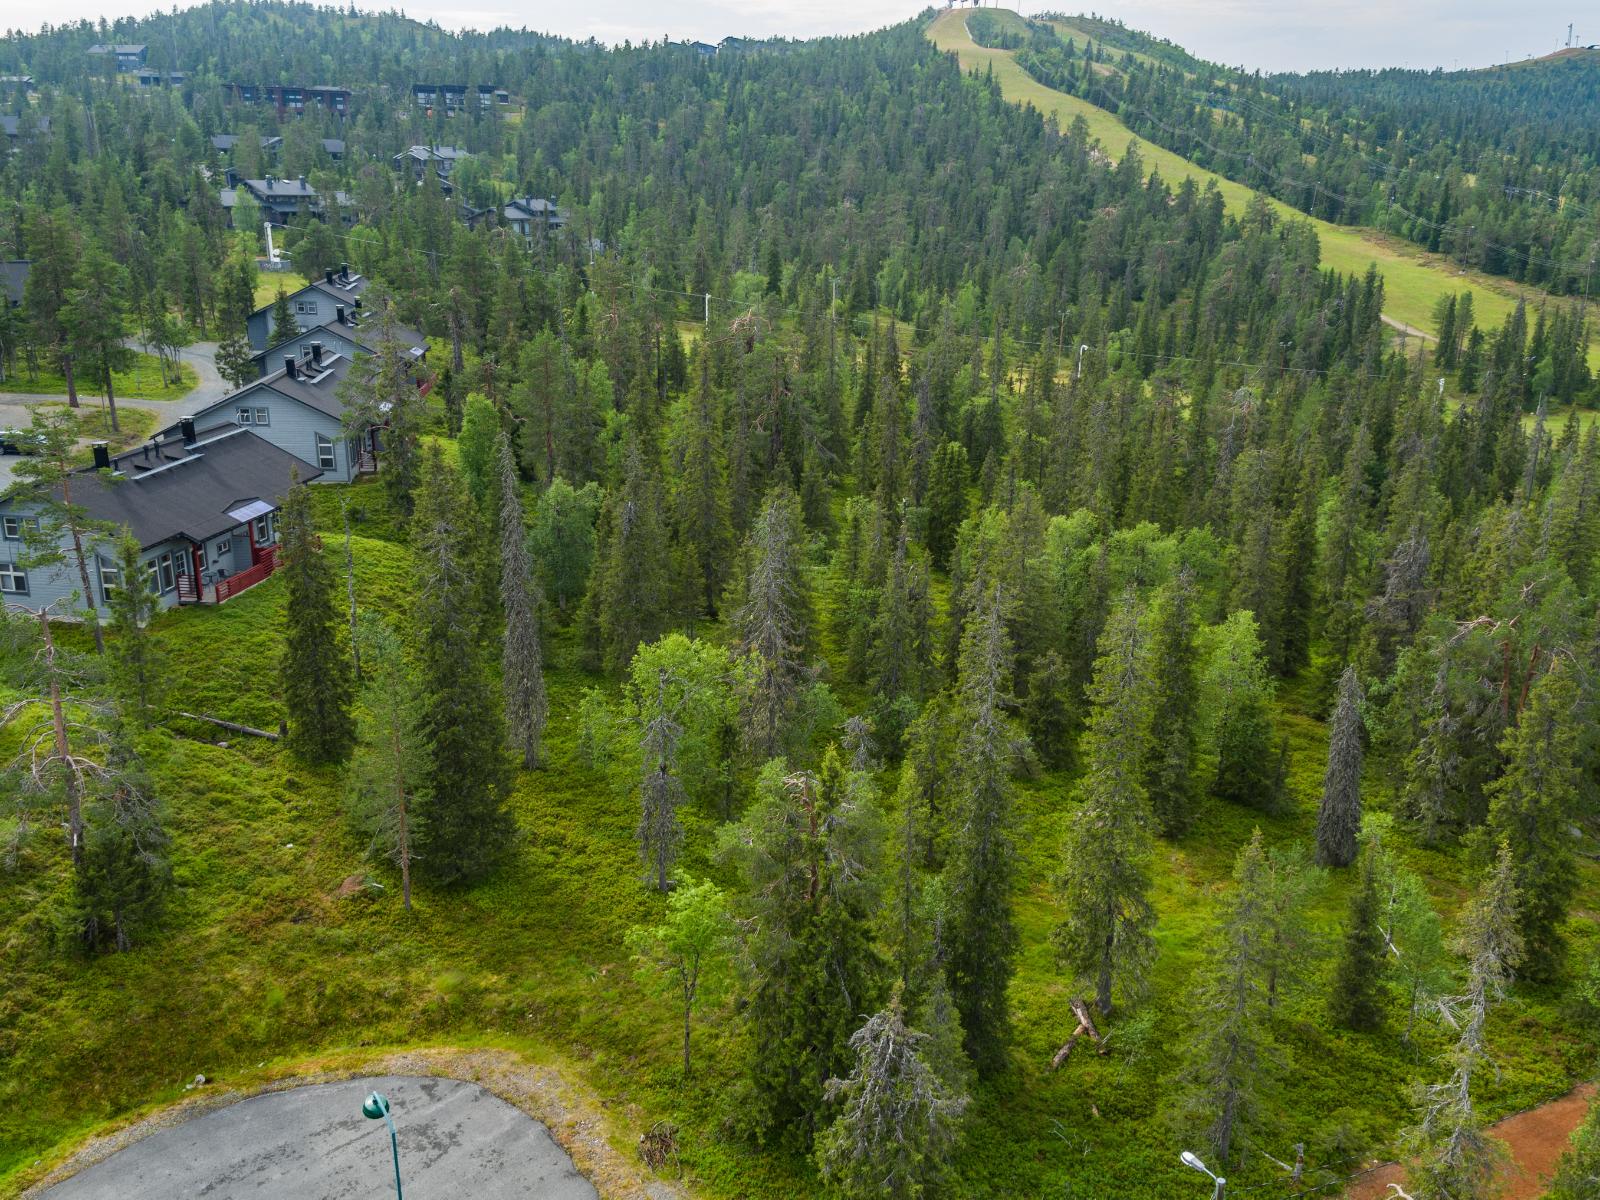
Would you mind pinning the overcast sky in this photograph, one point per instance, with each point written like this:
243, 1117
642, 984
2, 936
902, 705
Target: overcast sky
1269, 34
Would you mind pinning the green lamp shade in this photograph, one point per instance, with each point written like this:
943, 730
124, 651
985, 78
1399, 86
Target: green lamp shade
376, 1105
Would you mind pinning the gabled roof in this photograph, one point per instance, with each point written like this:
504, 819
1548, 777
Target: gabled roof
165, 489
333, 145
319, 391
434, 153
14, 277
357, 334
287, 188
121, 48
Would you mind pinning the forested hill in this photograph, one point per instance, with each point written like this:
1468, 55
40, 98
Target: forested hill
1499, 168
862, 600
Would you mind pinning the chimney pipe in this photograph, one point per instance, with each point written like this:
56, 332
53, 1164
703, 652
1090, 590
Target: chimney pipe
289, 367
186, 428
102, 457
338, 313
344, 269
316, 353
327, 275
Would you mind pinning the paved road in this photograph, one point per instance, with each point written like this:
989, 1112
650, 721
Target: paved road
313, 1143
201, 356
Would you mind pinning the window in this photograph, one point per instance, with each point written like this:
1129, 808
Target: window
324, 453
109, 578
12, 527
261, 417
200, 557
306, 308
224, 547
13, 579
243, 416
155, 579
167, 575
264, 530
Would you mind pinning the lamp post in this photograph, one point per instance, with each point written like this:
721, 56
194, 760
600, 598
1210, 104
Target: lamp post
377, 1105
1190, 1159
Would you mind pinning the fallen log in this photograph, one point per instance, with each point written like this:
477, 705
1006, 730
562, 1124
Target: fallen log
230, 725
1086, 1028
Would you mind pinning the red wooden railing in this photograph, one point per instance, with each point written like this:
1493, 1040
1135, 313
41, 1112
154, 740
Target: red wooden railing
250, 576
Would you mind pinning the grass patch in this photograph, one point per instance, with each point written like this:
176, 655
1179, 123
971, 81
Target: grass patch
143, 381
94, 424
268, 283
1413, 279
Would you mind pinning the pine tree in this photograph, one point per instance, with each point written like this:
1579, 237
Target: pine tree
521, 656
807, 853
388, 765
1453, 1158
981, 874
1104, 936
314, 671
1530, 808
1229, 1056
464, 828
1339, 818
1356, 1002
136, 658
1174, 682
898, 1118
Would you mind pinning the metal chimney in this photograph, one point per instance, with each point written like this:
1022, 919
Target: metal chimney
289, 367
316, 353
102, 457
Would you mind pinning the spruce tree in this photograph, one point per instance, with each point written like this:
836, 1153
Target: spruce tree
1047, 713
281, 323
1174, 682
1104, 935
771, 625
807, 854
122, 882
465, 829
388, 766
521, 656
1356, 1002
1339, 818
1530, 808
948, 480
628, 598
314, 670
1230, 1054
1237, 691
478, 448
136, 658
980, 877
700, 502
898, 1118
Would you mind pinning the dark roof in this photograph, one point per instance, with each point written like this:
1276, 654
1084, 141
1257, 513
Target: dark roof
361, 335
123, 48
224, 141
343, 291
434, 153
320, 391
333, 145
282, 187
11, 126
14, 277
173, 489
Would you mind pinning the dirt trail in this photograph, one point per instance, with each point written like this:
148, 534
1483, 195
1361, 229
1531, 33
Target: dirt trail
1537, 1139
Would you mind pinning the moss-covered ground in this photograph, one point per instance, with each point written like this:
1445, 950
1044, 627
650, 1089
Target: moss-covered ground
259, 964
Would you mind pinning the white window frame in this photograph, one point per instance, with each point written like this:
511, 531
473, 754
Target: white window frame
110, 578
263, 526
13, 579
326, 459
224, 547
12, 528
167, 572
305, 308
243, 417
263, 417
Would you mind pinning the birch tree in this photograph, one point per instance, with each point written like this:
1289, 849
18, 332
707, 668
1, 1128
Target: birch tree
685, 956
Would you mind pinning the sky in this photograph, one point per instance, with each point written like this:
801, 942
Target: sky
1265, 34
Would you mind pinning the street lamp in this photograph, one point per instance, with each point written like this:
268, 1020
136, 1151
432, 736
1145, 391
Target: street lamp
377, 1105
1190, 1159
